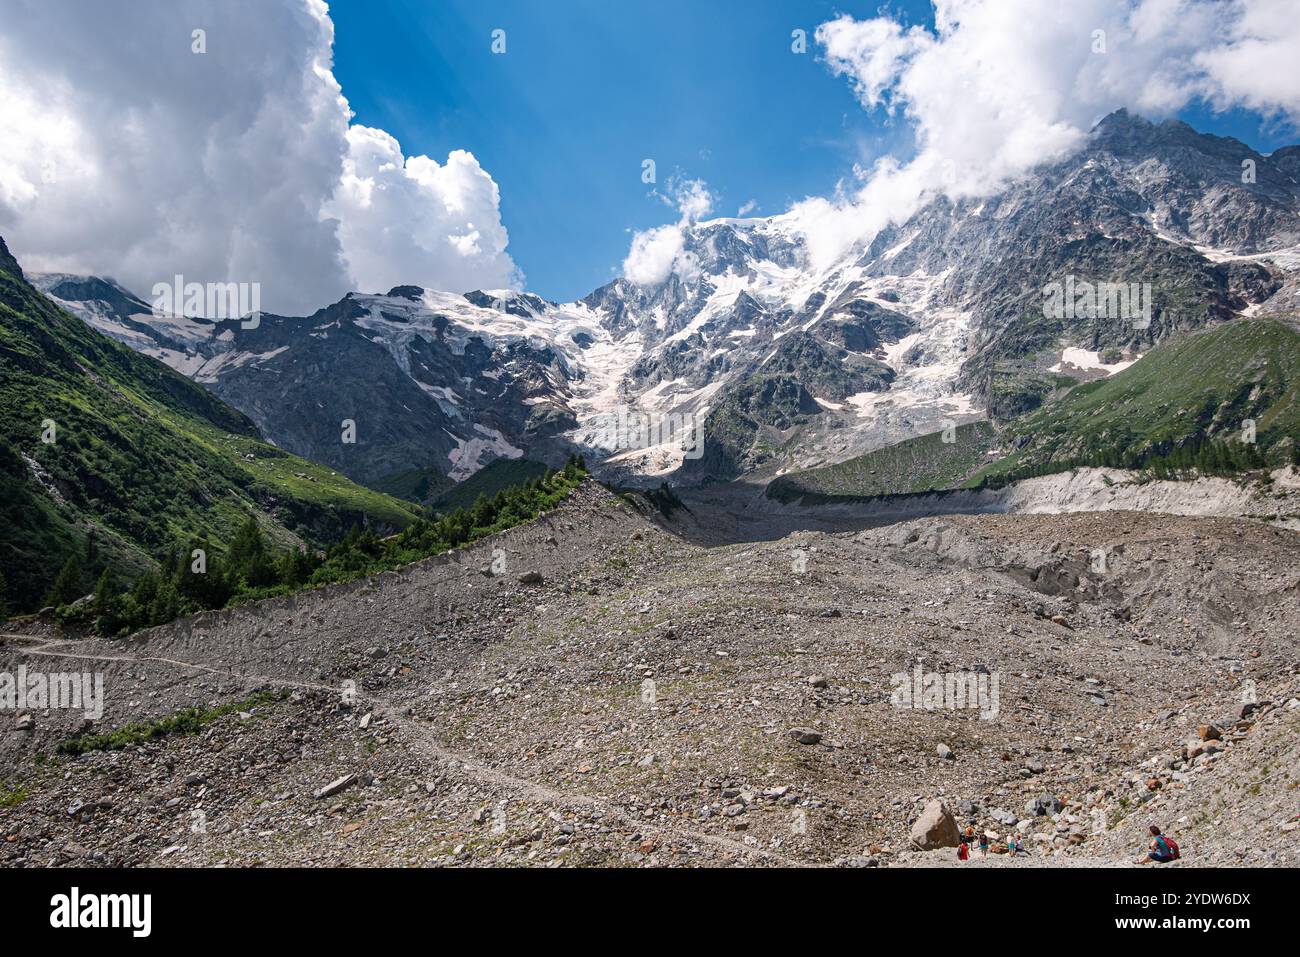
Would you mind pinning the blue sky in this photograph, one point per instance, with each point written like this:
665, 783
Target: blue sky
588, 89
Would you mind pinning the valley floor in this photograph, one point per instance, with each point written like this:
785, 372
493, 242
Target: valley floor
636, 705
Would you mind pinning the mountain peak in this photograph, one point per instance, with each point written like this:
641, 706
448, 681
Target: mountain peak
1121, 119
1125, 134
414, 293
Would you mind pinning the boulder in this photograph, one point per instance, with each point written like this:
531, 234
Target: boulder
1246, 709
935, 828
335, 786
1042, 805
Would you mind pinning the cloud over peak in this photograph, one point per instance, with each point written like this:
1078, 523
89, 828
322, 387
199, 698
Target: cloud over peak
659, 252
1002, 86
404, 220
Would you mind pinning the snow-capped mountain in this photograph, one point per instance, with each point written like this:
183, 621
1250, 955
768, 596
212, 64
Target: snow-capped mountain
936, 320
1156, 204
425, 379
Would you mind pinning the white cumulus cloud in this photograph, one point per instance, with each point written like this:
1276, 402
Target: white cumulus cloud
124, 152
1001, 86
404, 220
659, 252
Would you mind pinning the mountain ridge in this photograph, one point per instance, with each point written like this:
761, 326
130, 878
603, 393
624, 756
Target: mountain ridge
941, 316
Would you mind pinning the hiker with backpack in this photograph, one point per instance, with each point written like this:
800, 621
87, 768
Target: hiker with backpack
1162, 850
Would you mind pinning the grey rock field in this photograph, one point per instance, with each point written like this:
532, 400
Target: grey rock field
635, 702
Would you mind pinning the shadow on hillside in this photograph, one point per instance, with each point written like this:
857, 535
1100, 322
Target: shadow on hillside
737, 512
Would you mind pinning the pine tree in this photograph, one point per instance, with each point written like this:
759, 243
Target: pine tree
166, 605
108, 617
483, 513
249, 559
67, 584
104, 591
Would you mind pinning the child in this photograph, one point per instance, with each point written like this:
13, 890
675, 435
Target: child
984, 843
962, 853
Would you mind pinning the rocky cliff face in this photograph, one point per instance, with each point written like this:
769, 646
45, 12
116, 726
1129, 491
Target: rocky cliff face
1161, 206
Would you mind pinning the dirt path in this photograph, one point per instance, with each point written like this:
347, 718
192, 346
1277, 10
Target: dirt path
425, 742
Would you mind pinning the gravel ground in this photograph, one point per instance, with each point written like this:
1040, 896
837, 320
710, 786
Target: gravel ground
655, 702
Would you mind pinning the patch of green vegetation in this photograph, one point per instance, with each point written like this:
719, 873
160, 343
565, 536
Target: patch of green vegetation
662, 499
737, 433
1188, 406
917, 465
414, 485
251, 568
1013, 392
488, 481
12, 795
189, 721
110, 456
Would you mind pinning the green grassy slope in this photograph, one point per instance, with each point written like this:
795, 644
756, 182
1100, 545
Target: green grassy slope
916, 465
492, 478
1201, 388
1172, 408
142, 458
414, 485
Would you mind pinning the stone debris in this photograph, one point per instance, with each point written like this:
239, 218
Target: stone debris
438, 717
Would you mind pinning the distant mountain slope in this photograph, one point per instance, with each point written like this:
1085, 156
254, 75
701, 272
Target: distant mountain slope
414, 485
432, 381
1205, 387
138, 457
917, 465
1160, 204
